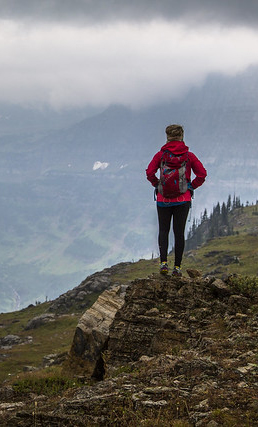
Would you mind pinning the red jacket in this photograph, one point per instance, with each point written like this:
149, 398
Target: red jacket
177, 147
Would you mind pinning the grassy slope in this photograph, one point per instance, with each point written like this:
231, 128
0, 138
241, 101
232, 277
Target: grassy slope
243, 245
56, 337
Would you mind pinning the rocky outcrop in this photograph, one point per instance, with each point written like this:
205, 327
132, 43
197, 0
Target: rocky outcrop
38, 321
175, 350
159, 315
54, 359
92, 332
179, 348
9, 341
94, 284
164, 316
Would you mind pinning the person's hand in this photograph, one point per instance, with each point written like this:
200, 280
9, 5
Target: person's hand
190, 188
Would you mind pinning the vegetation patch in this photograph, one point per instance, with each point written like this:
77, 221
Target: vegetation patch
53, 337
246, 285
48, 384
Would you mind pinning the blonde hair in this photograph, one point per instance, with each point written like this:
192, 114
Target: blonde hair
175, 133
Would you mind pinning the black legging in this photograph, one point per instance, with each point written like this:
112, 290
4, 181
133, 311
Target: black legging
179, 213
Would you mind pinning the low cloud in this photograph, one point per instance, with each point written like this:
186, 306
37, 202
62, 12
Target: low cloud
135, 65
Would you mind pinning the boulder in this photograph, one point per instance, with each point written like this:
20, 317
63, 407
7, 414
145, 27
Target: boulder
92, 332
220, 288
228, 259
10, 340
54, 359
29, 368
193, 273
38, 321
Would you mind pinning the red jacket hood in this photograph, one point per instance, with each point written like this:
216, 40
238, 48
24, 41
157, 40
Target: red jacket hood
176, 147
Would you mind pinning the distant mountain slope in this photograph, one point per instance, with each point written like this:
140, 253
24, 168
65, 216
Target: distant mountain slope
16, 120
224, 220
61, 220
218, 248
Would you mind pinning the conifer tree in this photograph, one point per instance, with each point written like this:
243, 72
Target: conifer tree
229, 206
224, 214
217, 209
217, 224
234, 202
205, 215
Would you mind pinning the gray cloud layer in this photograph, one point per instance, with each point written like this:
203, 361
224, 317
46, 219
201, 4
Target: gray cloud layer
226, 12
68, 53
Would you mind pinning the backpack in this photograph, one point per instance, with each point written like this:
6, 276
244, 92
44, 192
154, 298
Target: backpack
173, 181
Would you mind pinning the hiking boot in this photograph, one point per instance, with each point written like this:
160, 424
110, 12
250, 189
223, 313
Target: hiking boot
163, 268
177, 271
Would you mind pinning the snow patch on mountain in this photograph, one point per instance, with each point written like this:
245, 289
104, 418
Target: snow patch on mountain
100, 165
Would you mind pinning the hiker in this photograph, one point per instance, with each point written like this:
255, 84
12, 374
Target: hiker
174, 191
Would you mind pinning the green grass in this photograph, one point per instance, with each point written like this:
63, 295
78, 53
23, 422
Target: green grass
53, 337
14, 322
51, 382
242, 246
246, 285
142, 268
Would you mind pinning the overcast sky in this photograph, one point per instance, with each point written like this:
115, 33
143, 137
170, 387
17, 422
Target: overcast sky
67, 53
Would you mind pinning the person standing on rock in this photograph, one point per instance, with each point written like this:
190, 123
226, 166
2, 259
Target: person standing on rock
174, 190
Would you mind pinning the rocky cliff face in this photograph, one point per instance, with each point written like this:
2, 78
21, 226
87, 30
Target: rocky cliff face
172, 350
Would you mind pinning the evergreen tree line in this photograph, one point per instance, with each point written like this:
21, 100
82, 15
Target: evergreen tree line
216, 224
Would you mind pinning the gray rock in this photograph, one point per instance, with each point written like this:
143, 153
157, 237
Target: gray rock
54, 359
29, 368
81, 296
228, 259
38, 321
10, 340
